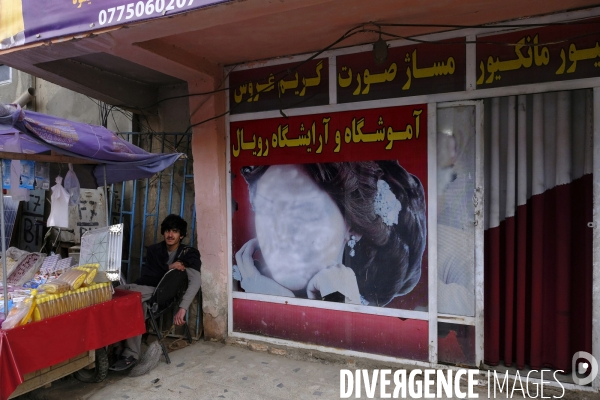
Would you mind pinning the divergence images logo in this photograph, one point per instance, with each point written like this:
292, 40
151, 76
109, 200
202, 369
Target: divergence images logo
581, 368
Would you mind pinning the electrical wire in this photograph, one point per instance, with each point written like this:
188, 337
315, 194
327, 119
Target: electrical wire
445, 42
363, 28
286, 72
480, 26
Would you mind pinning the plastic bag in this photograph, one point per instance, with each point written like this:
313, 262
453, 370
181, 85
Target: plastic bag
72, 186
6, 174
27, 178
20, 313
59, 208
13, 145
42, 175
10, 303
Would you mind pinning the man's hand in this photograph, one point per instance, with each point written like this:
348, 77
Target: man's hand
177, 265
179, 318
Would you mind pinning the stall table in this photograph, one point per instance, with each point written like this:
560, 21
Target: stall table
71, 336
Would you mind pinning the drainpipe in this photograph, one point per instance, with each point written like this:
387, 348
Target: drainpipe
26, 97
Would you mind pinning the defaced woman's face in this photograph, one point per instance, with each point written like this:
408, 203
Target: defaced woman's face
300, 230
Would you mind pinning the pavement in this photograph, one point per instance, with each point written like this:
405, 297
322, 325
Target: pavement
210, 370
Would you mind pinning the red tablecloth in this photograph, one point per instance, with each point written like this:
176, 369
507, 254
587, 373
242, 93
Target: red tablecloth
42, 344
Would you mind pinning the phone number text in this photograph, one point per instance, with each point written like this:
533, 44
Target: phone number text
140, 9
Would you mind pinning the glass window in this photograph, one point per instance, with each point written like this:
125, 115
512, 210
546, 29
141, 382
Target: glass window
5, 74
455, 229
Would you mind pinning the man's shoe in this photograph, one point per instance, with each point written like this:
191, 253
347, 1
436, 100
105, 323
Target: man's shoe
123, 363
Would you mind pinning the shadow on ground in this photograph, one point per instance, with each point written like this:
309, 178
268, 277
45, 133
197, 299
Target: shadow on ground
72, 389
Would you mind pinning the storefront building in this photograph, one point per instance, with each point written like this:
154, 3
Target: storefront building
428, 198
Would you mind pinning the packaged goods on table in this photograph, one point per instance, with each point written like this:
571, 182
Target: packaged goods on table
55, 286
74, 277
75, 289
27, 268
21, 312
51, 305
91, 270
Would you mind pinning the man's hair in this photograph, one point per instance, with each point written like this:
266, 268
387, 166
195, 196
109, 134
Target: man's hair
174, 221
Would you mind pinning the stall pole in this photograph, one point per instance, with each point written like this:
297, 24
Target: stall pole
106, 198
2, 237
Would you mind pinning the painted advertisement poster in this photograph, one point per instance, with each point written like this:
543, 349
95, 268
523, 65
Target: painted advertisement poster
46, 19
544, 54
332, 207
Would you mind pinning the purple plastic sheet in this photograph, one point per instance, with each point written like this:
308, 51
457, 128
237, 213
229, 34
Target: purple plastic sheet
121, 160
28, 145
37, 20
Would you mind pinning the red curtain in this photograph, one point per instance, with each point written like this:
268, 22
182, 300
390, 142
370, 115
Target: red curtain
538, 274
538, 256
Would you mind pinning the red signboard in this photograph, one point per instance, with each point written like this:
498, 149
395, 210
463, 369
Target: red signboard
408, 71
376, 134
279, 87
544, 54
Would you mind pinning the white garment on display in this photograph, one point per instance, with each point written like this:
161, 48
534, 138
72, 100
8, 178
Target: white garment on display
59, 208
13, 145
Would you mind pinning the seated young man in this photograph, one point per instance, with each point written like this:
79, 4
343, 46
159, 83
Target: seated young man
161, 257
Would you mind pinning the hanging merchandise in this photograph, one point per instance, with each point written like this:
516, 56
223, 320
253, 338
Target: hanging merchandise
27, 174
72, 186
17, 193
6, 174
13, 145
42, 175
59, 208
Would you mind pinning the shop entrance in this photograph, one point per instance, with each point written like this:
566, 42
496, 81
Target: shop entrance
538, 241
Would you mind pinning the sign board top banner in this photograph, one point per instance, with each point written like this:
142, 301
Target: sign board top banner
280, 87
36, 20
544, 54
408, 71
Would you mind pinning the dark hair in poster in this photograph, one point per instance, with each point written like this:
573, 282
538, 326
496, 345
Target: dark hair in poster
387, 258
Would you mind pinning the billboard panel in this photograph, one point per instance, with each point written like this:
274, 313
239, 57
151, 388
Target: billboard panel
333, 206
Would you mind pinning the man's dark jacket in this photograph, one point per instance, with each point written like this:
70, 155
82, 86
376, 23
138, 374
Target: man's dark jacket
157, 257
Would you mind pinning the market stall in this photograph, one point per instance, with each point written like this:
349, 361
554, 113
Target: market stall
67, 336
69, 304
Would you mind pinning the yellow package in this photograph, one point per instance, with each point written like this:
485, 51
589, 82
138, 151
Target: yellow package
55, 286
91, 273
96, 265
74, 277
37, 315
29, 315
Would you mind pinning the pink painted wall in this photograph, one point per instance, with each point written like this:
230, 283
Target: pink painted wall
209, 148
